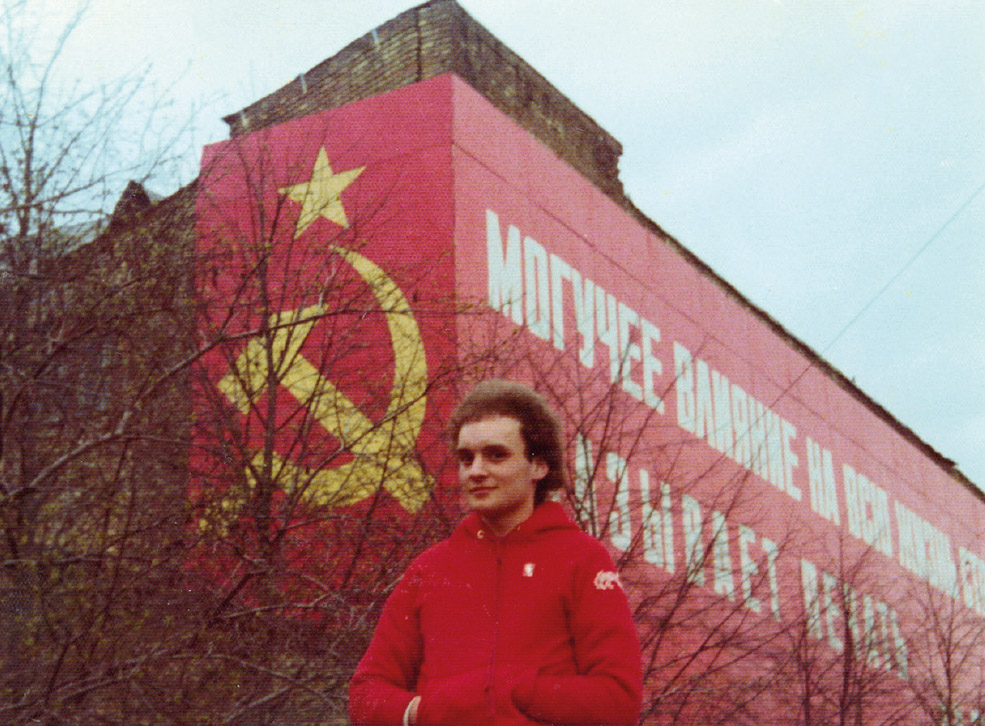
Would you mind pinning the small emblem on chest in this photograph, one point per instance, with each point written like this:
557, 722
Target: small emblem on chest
528, 569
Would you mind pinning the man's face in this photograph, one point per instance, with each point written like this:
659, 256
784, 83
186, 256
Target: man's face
498, 478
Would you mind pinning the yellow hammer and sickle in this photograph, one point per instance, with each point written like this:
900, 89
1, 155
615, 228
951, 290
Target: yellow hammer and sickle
383, 451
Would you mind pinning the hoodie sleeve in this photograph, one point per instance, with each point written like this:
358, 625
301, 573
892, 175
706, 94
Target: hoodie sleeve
386, 678
608, 687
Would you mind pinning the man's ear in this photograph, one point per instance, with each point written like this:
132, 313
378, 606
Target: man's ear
540, 468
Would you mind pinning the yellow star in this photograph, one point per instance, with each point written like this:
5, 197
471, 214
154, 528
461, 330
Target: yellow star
321, 196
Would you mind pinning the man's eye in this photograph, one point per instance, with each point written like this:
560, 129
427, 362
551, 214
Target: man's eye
465, 459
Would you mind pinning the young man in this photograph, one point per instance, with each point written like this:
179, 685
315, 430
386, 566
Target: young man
518, 617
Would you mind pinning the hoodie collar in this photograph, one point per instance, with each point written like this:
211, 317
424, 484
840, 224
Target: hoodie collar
546, 516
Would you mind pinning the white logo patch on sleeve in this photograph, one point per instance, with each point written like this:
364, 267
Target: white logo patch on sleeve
607, 580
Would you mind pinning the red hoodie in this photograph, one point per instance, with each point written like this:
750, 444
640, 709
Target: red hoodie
530, 628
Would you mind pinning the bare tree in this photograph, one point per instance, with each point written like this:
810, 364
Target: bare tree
84, 421
843, 658
67, 149
948, 680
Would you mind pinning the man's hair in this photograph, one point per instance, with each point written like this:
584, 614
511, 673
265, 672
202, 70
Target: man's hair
540, 428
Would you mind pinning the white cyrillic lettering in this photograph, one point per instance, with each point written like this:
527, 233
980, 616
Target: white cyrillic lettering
829, 586
684, 383
852, 504
885, 635
704, 412
658, 532
537, 288
607, 329
629, 351
850, 602
757, 439
821, 481
652, 367
901, 657
772, 553
972, 580
748, 568
505, 269
812, 603
880, 511
560, 270
774, 449
722, 558
868, 511
872, 654
584, 295
790, 460
620, 528
724, 437
694, 550
740, 422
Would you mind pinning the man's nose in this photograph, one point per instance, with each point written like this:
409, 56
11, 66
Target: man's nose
476, 467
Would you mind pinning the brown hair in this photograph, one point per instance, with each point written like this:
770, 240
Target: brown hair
539, 426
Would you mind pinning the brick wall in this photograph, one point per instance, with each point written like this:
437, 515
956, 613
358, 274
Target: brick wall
426, 41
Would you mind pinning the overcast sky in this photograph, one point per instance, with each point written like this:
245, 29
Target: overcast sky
811, 152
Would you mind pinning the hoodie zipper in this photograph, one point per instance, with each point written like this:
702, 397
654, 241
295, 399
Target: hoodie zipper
497, 603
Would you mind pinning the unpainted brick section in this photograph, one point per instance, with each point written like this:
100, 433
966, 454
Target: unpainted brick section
429, 40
